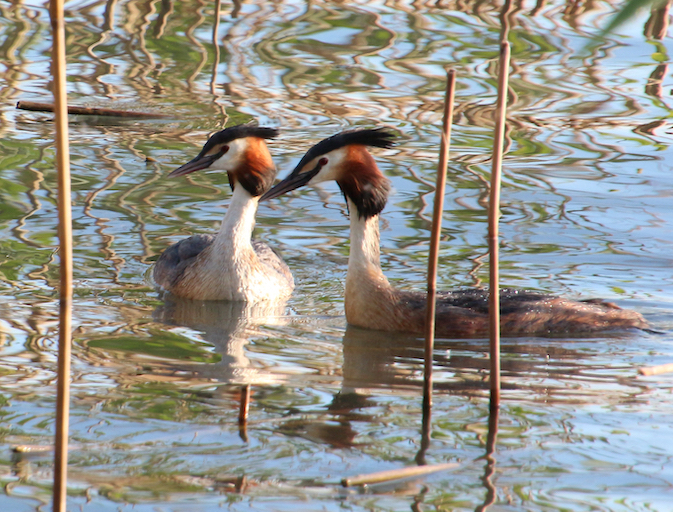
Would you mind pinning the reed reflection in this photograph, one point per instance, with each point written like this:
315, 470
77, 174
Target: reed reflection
489, 468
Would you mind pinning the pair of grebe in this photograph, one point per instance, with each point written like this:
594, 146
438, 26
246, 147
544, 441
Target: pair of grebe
228, 266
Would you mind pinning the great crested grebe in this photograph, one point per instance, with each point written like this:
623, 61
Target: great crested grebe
371, 301
229, 265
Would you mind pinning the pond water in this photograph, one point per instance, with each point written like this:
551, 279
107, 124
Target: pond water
156, 382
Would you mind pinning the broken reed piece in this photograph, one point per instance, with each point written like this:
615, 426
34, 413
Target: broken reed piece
656, 370
396, 474
33, 448
88, 111
245, 405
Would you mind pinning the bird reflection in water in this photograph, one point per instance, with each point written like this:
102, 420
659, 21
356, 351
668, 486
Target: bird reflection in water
227, 326
548, 370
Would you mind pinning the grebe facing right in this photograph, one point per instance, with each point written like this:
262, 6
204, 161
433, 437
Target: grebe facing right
371, 302
230, 266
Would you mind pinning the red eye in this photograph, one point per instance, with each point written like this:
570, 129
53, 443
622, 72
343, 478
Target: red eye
224, 149
322, 162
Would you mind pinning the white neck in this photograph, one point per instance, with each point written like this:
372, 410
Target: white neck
365, 248
369, 296
239, 221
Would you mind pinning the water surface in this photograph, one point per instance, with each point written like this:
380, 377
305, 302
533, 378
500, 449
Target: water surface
156, 380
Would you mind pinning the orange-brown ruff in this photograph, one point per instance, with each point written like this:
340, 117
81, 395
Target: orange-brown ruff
371, 301
230, 266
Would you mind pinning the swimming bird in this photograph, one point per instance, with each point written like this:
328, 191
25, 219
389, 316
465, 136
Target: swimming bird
370, 300
229, 265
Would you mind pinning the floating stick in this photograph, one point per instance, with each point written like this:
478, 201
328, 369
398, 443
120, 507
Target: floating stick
493, 216
434, 245
656, 370
65, 255
86, 111
33, 448
396, 474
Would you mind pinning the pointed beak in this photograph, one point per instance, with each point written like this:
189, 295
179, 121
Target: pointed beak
295, 180
198, 163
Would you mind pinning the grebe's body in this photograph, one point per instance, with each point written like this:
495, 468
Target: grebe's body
371, 302
229, 265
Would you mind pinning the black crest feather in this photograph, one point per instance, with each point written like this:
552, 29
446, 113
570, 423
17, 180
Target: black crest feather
238, 132
365, 185
378, 137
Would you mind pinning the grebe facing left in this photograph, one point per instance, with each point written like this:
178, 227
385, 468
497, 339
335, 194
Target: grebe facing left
371, 302
229, 265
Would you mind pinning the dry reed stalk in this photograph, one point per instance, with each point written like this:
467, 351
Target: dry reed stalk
434, 244
493, 216
65, 255
87, 111
656, 370
396, 474
245, 405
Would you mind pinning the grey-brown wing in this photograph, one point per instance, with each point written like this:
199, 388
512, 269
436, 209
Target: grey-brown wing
172, 263
476, 300
272, 259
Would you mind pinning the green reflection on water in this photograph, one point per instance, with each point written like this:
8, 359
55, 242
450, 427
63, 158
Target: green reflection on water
161, 344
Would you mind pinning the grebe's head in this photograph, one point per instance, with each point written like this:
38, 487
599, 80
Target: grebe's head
344, 158
241, 152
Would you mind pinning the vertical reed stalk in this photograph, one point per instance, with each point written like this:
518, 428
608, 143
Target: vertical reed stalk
434, 244
65, 254
245, 405
493, 216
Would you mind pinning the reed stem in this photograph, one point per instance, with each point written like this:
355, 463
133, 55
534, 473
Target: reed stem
245, 405
434, 244
493, 216
65, 255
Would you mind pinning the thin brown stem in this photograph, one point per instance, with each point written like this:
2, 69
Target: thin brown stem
65, 255
493, 216
434, 244
245, 405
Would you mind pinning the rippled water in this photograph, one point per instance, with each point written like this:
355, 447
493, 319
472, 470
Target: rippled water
156, 381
